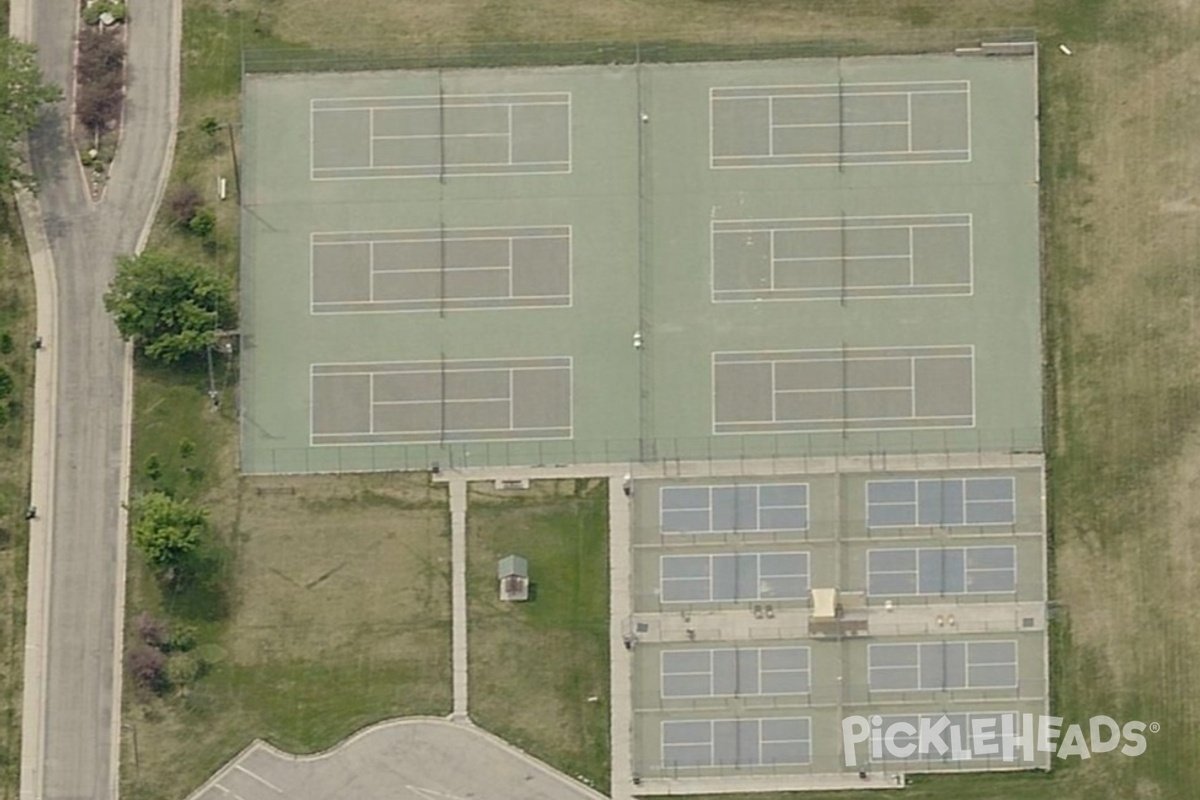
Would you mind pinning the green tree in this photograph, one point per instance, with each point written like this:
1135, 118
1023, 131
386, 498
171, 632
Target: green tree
22, 96
169, 307
167, 531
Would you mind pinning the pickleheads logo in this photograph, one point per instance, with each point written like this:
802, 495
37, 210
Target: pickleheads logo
989, 737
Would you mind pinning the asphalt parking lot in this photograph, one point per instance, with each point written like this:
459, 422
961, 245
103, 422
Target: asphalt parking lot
417, 759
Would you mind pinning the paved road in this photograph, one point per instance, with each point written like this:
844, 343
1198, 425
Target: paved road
72, 749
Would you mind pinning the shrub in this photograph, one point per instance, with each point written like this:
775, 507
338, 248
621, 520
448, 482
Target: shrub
101, 85
152, 630
183, 202
203, 223
183, 639
98, 101
6, 383
100, 53
6, 343
187, 448
210, 126
183, 669
153, 468
147, 667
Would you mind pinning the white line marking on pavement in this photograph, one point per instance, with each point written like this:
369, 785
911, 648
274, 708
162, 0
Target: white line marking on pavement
432, 794
258, 778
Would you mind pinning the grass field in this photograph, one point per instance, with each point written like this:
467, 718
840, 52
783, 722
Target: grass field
331, 611
16, 332
1121, 143
534, 665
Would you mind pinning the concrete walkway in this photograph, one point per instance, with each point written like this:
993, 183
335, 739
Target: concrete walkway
458, 591
620, 613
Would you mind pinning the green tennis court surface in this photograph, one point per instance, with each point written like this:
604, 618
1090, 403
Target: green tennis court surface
582, 264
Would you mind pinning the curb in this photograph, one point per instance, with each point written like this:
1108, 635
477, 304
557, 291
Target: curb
41, 531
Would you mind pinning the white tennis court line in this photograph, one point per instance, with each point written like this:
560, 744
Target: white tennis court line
389, 102
390, 136
912, 260
837, 89
370, 402
910, 122
874, 124
847, 162
370, 138
912, 387
770, 122
450, 173
857, 353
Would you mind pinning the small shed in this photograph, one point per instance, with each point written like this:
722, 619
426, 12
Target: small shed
513, 573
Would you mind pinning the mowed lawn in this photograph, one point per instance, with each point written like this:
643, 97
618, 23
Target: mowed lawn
539, 670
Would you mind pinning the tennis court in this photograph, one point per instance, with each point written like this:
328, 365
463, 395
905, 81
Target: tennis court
775, 507
860, 388
413, 136
423, 270
734, 672
841, 123
732, 577
432, 401
838, 258
736, 742
941, 503
939, 666
941, 571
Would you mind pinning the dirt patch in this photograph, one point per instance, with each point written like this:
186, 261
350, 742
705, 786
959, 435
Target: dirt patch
1124, 288
354, 563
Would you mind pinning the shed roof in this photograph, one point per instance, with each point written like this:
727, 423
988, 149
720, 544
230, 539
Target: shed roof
512, 565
